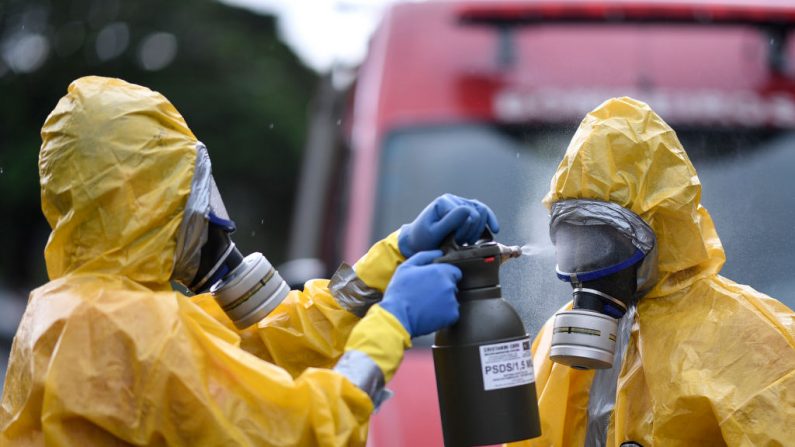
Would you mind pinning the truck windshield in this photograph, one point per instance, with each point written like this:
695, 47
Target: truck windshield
747, 187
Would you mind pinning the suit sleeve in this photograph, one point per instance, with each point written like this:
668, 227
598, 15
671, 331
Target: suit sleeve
310, 327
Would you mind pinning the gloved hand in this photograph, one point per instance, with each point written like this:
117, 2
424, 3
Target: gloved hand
421, 294
446, 213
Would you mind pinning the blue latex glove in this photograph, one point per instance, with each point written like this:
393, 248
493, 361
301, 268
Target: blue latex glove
422, 295
447, 213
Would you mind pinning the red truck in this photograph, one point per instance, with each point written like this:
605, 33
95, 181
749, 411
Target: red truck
480, 99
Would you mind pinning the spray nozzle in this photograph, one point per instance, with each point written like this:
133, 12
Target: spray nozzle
509, 252
485, 247
479, 262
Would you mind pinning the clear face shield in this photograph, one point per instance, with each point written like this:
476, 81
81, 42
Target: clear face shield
608, 255
207, 260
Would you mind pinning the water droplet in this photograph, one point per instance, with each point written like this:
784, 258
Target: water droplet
262, 222
270, 126
339, 122
1, 170
517, 155
253, 233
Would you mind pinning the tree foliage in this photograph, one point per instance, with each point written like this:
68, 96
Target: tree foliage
242, 92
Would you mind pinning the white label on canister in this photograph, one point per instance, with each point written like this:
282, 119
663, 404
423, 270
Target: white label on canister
506, 364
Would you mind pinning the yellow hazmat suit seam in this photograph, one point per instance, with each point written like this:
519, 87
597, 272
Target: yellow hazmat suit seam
381, 336
378, 265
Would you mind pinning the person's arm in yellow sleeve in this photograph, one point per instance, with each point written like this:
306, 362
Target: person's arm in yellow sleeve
419, 300
359, 287
310, 328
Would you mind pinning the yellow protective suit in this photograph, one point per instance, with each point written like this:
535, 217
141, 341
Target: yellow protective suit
107, 354
310, 328
709, 361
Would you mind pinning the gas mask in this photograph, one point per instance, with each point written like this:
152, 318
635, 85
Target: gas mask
207, 260
608, 255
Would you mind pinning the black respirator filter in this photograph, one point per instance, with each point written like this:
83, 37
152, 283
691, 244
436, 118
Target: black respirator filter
483, 363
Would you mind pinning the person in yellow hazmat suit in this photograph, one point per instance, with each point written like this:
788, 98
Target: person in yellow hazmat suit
656, 349
108, 354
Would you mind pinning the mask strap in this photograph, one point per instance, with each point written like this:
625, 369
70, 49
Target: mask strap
601, 273
227, 225
215, 272
615, 301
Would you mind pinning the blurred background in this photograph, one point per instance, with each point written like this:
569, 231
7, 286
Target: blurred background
332, 122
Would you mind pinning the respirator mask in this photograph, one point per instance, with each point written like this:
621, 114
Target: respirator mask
608, 255
207, 260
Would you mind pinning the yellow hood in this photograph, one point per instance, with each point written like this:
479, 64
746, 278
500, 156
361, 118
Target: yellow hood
115, 166
625, 153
